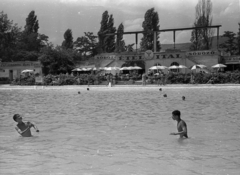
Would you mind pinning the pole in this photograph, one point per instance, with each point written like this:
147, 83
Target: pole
155, 41
239, 39
136, 38
174, 38
217, 36
196, 39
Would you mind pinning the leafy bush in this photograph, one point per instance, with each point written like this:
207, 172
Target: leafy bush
4, 79
30, 80
217, 78
84, 79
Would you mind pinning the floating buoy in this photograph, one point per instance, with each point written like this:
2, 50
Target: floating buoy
88, 89
160, 89
165, 95
183, 97
79, 92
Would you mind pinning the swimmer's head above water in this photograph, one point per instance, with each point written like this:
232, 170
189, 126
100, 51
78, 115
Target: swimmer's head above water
176, 115
17, 117
181, 125
23, 128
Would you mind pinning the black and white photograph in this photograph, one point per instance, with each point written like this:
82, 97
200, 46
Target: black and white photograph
119, 87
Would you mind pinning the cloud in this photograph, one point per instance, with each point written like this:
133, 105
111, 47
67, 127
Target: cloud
183, 36
133, 25
230, 9
53, 39
180, 37
85, 15
166, 38
135, 4
135, 21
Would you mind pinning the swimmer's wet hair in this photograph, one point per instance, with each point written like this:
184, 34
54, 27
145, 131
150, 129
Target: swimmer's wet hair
176, 112
15, 116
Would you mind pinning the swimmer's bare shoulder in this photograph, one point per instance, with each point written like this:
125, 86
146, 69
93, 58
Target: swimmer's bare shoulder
181, 124
23, 127
182, 127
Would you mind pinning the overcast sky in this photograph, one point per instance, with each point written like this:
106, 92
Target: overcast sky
56, 16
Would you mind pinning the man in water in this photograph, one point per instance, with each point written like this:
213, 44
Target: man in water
23, 128
181, 125
144, 79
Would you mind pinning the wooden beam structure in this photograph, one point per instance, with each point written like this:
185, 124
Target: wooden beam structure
169, 30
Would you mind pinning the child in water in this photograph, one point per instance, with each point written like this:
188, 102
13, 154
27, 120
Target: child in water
181, 125
23, 128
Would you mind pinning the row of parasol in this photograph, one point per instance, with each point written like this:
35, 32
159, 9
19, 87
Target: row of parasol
197, 66
108, 68
200, 66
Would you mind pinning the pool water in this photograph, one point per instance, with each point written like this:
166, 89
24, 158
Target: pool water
121, 131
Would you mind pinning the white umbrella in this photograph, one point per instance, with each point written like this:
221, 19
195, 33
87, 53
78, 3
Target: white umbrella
112, 68
27, 70
137, 67
182, 67
101, 68
219, 66
173, 67
77, 69
201, 66
154, 67
133, 68
124, 68
86, 69
157, 67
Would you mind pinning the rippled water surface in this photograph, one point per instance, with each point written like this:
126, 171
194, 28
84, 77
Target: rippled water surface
121, 131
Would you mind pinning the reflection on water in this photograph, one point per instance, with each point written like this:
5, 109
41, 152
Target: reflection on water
121, 131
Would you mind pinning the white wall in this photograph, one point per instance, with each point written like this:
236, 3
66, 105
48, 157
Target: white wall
5, 73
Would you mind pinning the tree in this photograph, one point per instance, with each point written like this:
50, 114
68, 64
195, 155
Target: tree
202, 38
238, 39
30, 33
68, 39
86, 45
150, 24
106, 42
103, 30
32, 25
231, 45
110, 39
9, 35
120, 44
22, 55
56, 60
31, 40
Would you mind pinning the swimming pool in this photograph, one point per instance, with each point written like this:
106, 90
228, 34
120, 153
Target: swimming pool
122, 131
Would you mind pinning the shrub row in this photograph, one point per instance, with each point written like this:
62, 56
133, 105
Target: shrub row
216, 78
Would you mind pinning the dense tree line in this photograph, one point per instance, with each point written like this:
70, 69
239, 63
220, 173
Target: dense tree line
150, 24
27, 44
20, 45
107, 42
202, 38
232, 44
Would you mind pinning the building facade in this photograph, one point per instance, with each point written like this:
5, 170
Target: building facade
13, 70
168, 58
232, 62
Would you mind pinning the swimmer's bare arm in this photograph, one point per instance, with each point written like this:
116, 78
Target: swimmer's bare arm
20, 131
184, 130
34, 126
